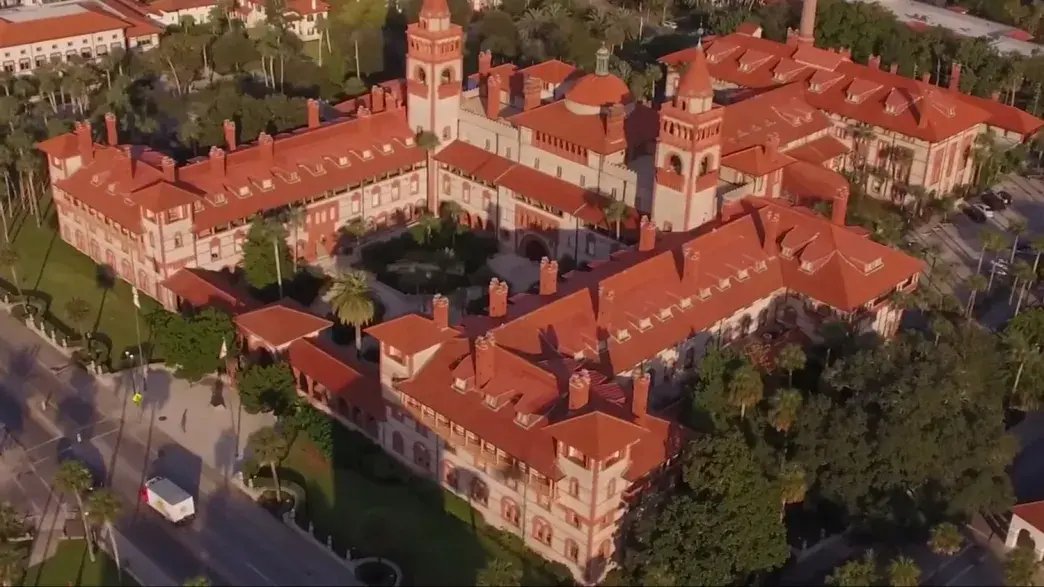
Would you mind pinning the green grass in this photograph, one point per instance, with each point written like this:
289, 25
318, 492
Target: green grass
311, 49
433, 535
71, 566
58, 272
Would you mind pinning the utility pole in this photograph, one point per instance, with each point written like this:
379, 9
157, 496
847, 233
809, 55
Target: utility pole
279, 268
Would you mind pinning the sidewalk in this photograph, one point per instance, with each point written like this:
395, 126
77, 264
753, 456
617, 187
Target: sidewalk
136, 564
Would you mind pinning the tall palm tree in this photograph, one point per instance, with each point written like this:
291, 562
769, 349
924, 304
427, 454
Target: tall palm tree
861, 134
78, 311
352, 302
1024, 277
1037, 244
904, 572
73, 478
791, 358
1021, 351
268, 446
615, 212
103, 509
991, 242
792, 485
746, 388
1021, 567
785, 408
1017, 228
976, 284
9, 259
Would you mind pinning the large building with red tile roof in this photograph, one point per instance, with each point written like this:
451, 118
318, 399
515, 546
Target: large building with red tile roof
553, 409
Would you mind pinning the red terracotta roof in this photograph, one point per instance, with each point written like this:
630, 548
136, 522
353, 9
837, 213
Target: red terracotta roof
89, 20
62, 146
782, 113
1032, 513
588, 131
176, 5
695, 80
411, 333
203, 288
819, 150
551, 71
804, 182
333, 368
600, 90
281, 323
434, 8
597, 434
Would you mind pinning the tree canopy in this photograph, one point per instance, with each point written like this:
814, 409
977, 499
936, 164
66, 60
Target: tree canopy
266, 256
192, 342
266, 388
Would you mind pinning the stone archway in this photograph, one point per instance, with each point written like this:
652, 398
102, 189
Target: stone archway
534, 248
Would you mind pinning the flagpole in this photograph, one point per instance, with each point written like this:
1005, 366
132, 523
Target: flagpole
137, 332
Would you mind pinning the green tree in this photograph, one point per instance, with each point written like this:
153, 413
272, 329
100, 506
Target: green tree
9, 259
78, 311
615, 212
786, 406
499, 573
791, 358
197, 581
352, 302
904, 572
1021, 567
359, 18
793, 486
858, 572
74, 479
103, 509
426, 228
266, 388
269, 447
946, 539
976, 285
745, 388
192, 342
265, 255
13, 525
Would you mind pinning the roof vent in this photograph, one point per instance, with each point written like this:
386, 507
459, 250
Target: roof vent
873, 265
367, 155
705, 293
266, 184
760, 266
386, 148
111, 188
742, 275
409, 141
644, 324
524, 420
788, 253
342, 160
96, 179
319, 169
623, 334
666, 314
807, 267
685, 303
218, 199
815, 88
724, 283
197, 206
244, 192
294, 177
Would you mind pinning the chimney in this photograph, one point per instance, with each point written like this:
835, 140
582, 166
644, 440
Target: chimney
362, 114
170, 169
807, 31
85, 141
646, 235
492, 97
640, 397
894, 68
112, 135
440, 311
485, 62
485, 347
926, 77
313, 113
995, 96
267, 149
230, 135
217, 161
531, 93
770, 223
772, 145
614, 124
378, 99
875, 62
124, 163
498, 298
548, 277
605, 301
955, 77
840, 208
579, 389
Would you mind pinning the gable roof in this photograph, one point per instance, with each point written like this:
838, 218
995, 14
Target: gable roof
281, 323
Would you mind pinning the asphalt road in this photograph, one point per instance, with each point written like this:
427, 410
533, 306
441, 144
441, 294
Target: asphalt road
231, 541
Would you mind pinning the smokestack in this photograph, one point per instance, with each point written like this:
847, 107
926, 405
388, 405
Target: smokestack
640, 397
170, 170
579, 389
230, 135
267, 149
313, 113
493, 97
217, 161
84, 141
531, 93
955, 77
498, 298
807, 31
378, 99
112, 135
646, 235
485, 349
440, 311
840, 208
485, 62
548, 277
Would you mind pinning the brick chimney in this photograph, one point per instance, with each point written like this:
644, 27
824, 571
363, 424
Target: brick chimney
531, 93
771, 145
498, 298
485, 62
955, 77
378, 99
640, 397
440, 311
807, 32
493, 97
579, 389
170, 169
124, 164
646, 235
894, 68
690, 267
839, 211
926, 77
313, 113
112, 134
217, 161
485, 352
606, 297
230, 135
614, 123
771, 226
548, 277
874, 62
84, 141
267, 149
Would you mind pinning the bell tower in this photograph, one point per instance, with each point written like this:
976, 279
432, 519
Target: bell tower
434, 71
688, 152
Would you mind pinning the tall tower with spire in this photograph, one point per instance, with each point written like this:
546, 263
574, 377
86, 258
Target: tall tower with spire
688, 152
434, 71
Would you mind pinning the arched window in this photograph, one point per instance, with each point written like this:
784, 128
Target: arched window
610, 489
447, 76
542, 531
479, 491
509, 511
573, 487
572, 550
420, 75
450, 476
674, 163
421, 457
705, 164
397, 442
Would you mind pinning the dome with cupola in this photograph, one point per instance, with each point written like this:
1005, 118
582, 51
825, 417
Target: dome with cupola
597, 92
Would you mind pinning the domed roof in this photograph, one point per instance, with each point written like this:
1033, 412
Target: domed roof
600, 90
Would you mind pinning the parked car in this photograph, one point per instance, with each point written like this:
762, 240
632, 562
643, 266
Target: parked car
999, 266
1005, 196
975, 213
984, 209
993, 201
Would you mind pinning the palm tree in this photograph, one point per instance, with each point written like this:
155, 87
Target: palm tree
615, 212
9, 259
976, 284
1037, 244
855, 573
427, 225
197, 581
904, 572
785, 408
1021, 567
499, 573
1024, 277
792, 485
745, 388
78, 311
103, 509
1017, 228
991, 242
294, 217
1021, 350
269, 447
352, 302
791, 358
427, 140
946, 539
861, 134
73, 478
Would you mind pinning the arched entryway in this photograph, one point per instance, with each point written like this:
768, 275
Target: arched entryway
533, 248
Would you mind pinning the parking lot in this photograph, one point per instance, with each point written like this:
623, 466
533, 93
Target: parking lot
959, 241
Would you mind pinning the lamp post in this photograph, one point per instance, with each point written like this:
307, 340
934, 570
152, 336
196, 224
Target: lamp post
137, 332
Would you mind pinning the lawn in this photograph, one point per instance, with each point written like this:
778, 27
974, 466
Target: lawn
433, 535
311, 49
71, 566
57, 272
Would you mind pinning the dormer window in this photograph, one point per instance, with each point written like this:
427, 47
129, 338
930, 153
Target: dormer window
342, 161
788, 252
96, 180
814, 87
666, 314
460, 384
524, 420
578, 356
644, 324
244, 192
386, 148
266, 184
685, 303
852, 98
319, 169
724, 283
742, 275
409, 141
760, 266
623, 334
219, 199
705, 293
889, 109
807, 267
197, 206
490, 401
111, 188
745, 67
873, 266
367, 155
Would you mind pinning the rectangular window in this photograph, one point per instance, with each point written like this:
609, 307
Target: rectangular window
375, 199
356, 204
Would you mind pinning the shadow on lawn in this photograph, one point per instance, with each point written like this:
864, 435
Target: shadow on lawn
72, 566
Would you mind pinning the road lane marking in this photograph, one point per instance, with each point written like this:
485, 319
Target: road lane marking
260, 574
